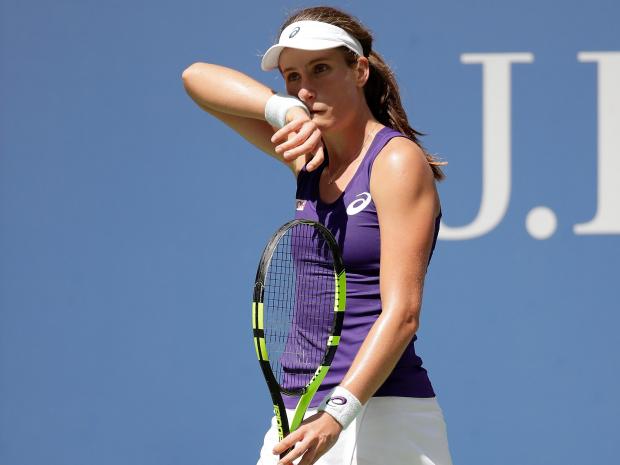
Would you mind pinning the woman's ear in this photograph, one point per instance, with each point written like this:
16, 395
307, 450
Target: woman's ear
363, 71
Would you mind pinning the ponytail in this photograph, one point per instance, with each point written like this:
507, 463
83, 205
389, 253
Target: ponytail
383, 99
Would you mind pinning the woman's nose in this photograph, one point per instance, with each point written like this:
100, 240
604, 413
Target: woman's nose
306, 95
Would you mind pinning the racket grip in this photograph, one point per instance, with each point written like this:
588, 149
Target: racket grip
285, 452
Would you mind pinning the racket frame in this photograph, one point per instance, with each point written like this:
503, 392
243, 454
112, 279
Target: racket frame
307, 392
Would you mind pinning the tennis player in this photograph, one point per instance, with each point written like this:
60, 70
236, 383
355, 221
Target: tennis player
361, 171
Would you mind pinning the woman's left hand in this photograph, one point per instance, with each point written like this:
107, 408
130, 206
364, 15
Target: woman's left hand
315, 436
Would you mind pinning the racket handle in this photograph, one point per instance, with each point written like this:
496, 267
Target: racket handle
285, 452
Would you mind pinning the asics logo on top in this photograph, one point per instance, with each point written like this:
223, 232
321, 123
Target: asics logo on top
359, 204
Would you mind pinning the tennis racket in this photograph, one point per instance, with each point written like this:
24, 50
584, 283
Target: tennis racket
297, 314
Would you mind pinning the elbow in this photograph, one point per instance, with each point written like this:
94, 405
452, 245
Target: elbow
404, 321
408, 320
193, 70
410, 323
192, 81
188, 72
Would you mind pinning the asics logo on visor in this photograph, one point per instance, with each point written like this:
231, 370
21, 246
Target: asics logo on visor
294, 33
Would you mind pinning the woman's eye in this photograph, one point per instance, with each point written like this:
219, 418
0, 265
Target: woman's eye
321, 67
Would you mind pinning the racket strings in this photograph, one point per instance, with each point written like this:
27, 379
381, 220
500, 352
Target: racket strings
299, 301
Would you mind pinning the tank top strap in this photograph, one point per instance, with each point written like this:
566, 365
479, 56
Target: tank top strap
381, 139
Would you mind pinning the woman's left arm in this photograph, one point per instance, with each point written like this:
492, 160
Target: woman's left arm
403, 189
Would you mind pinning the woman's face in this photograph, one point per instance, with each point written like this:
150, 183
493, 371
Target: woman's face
323, 80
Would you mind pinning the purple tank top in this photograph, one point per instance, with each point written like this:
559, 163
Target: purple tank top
353, 221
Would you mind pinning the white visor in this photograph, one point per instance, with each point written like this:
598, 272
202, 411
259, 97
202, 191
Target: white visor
309, 35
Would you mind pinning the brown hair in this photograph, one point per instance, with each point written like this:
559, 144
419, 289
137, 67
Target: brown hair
381, 89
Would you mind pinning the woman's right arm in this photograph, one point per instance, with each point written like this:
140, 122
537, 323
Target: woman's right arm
239, 101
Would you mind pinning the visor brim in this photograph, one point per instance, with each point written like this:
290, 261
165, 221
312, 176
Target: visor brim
271, 57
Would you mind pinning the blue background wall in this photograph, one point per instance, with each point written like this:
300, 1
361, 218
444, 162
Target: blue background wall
132, 222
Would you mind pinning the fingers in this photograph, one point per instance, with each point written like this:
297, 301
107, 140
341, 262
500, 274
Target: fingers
301, 448
316, 435
281, 133
288, 442
310, 456
307, 147
317, 159
304, 137
304, 132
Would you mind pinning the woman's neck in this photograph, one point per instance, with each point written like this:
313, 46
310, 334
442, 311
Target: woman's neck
345, 145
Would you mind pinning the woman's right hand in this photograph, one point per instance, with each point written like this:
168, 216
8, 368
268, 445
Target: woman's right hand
301, 136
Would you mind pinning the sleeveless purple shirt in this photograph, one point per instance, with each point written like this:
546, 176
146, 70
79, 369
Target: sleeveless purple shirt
353, 221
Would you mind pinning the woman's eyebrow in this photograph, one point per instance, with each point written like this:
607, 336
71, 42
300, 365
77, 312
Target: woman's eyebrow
310, 62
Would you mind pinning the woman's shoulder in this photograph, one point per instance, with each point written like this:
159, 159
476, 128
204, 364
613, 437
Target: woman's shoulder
401, 170
401, 156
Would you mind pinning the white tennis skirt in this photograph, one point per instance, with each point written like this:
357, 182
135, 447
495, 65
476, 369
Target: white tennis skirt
388, 430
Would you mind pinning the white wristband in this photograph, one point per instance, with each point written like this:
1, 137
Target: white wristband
278, 105
342, 405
